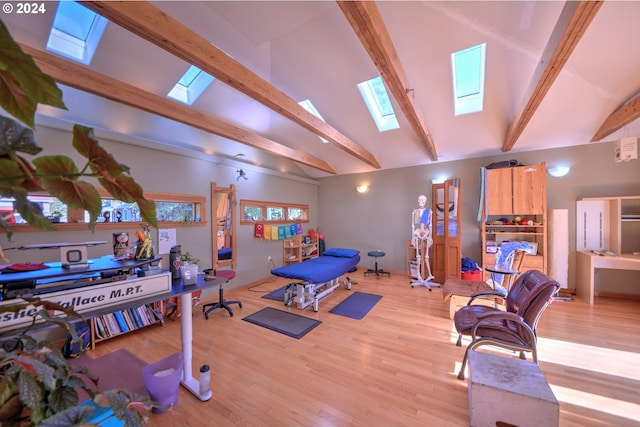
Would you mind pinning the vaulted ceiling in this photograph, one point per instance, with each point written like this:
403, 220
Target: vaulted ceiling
558, 74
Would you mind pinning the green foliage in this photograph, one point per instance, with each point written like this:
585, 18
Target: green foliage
187, 258
38, 387
22, 87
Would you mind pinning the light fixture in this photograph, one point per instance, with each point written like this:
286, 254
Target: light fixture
362, 188
558, 171
439, 180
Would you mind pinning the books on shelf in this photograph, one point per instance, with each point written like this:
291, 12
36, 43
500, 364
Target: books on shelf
118, 322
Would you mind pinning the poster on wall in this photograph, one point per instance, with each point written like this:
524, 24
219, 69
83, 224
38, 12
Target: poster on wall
166, 240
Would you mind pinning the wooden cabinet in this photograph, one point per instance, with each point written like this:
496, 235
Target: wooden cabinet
298, 248
515, 193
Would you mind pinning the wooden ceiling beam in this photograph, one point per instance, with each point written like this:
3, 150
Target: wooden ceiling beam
624, 115
571, 26
367, 23
150, 23
84, 79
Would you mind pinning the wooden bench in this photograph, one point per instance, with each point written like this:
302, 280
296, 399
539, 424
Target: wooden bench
509, 391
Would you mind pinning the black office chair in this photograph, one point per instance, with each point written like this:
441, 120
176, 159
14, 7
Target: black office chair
222, 303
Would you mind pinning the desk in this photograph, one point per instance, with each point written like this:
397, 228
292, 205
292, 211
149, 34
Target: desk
92, 300
588, 262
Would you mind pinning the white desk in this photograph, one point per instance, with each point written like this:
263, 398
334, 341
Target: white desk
588, 262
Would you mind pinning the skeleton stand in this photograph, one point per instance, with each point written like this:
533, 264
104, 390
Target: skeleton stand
420, 235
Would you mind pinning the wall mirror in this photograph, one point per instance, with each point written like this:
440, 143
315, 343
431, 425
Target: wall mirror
223, 227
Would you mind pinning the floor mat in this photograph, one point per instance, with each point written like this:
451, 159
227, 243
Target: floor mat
290, 324
119, 369
357, 305
277, 295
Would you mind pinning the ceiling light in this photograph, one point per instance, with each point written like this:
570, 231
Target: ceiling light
558, 171
362, 188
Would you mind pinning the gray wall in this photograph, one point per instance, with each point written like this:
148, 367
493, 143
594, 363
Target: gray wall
381, 218
175, 172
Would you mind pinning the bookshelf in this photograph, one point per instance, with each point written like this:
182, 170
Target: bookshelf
298, 248
110, 325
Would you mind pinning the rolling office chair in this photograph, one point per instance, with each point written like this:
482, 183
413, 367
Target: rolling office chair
222, 303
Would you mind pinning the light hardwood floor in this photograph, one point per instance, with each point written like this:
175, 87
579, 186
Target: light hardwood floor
395, 367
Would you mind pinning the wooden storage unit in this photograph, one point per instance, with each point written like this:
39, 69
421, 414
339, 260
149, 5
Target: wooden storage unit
510, 192
298, 248
121, 322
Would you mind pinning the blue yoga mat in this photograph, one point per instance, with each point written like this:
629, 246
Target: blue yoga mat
357, 305
277, 295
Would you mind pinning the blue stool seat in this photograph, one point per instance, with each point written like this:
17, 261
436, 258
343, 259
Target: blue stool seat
377, 271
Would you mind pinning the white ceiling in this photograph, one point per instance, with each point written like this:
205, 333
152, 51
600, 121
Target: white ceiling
308, 49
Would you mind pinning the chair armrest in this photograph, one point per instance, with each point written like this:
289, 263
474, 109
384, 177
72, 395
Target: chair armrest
485, 295
501, 271
502, 315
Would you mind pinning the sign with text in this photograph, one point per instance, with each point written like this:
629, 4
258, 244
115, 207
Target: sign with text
92, 298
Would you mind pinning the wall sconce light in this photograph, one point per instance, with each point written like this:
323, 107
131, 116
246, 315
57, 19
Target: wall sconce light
559, 171
363, 188
439, 180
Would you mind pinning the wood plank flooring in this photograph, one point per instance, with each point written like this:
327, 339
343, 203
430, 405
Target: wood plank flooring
396, 367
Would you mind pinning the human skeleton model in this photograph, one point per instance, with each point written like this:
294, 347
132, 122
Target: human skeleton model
421, 233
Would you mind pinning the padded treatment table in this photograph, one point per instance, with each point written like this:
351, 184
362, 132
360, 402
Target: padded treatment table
317, 277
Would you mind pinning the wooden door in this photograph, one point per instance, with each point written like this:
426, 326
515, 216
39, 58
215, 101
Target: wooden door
446, 250
499, 191
529, 189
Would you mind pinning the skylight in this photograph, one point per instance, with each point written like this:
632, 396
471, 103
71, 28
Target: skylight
191, 85
76, 32
307, 105
377, 100
468, 67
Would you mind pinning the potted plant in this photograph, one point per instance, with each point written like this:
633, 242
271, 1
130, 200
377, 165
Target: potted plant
189, 269
39, 386
23, 87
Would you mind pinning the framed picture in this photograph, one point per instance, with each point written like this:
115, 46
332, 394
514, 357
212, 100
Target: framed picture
307, 240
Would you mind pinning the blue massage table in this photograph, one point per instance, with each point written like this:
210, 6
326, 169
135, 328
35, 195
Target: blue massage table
317, 277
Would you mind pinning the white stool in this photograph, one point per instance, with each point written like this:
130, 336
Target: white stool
509, 390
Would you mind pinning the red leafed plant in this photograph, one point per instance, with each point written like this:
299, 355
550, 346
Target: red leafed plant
22, 87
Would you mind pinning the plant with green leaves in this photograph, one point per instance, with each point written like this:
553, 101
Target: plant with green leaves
187, 258
22, 87
38, 387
